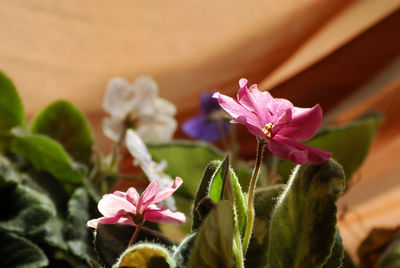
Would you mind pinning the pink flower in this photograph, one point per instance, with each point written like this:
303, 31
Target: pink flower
277, 121
130, 208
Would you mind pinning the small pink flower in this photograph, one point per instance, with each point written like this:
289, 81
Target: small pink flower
277, 121
130, 208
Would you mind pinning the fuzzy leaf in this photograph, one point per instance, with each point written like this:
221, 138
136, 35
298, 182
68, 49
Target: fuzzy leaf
185, 160
336, 257
221, 186
146, 256
78, 236
303, 224
30, 213
11, 109
48, 155
357, 135
391, 257
16, 251
66, 124
111, 240
203, 191
182, 253
264, 203
213, 243
240, 203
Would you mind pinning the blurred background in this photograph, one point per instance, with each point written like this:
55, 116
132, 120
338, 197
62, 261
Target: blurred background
342, 54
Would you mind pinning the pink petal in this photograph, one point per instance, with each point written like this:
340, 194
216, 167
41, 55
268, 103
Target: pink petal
235, 109
109, 220
132, 196
168, 191
278, 107
163, 215
148, 195
256, 101
304, 124
296, 152
112, 205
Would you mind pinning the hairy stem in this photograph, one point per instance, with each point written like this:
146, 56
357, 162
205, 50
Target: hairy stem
250, 196
135, 234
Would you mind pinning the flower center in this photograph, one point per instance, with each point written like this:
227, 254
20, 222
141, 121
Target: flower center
267, 129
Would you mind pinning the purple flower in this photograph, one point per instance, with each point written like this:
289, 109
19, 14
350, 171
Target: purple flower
276, 121
210, 124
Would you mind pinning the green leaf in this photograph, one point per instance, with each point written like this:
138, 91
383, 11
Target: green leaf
146, 256
336, 257
219, 181
357, 135
391, 258
203, 191
214, 241
11, 109
66, 124
47, 155
16, 251
182, 253
78, 236
29, 213
264, 202
240, 203
111, 240
303, 224
375, 244
185, 160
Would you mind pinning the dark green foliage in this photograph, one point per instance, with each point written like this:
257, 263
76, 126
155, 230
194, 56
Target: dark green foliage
349, 144
336, 257
203, 191
11, 110
214, 240
111, 240
264, 202
66, 124
77, 235
303, 224
182, 253
16, 251
47, 155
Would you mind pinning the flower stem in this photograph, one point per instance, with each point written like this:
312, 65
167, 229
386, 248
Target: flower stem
238, 249
135, 234
250, 196
115, 150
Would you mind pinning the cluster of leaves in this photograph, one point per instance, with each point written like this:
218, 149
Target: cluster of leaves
295, 224
47, 197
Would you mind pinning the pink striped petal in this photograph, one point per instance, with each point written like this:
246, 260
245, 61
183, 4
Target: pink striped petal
235, 110
163, 215
108, 220
296, 152
304, 124
112, 205
255, 101
132, 196
148, 195
168, 191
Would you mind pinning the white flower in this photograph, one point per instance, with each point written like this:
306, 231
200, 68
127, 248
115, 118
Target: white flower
153, 170
137, 106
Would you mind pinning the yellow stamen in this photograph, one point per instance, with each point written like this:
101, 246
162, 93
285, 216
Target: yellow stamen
267, 129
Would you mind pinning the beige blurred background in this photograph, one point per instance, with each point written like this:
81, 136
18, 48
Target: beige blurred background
342, 54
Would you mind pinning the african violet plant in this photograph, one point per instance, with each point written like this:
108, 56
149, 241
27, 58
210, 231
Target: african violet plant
61, 205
